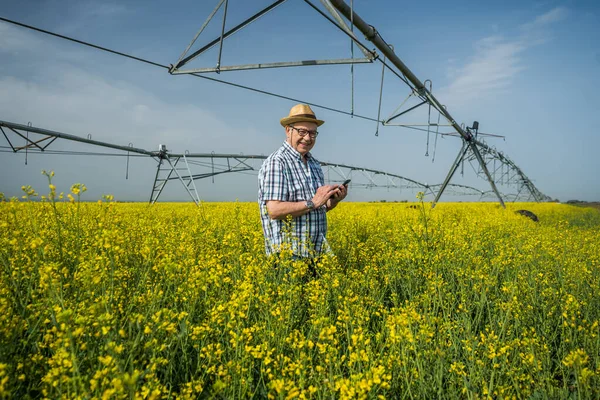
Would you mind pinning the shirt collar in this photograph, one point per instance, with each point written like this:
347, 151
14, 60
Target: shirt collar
293, 152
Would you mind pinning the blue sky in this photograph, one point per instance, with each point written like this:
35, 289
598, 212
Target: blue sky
525, 70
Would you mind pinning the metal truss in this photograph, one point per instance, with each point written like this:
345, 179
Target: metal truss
420, 96
178, 166
160, 182
505, 172
488, 163
184, 59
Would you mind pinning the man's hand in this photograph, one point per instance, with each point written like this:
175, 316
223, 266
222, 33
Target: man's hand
338, 196
324, 193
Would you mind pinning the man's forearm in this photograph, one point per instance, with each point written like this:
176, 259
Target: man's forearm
281, 209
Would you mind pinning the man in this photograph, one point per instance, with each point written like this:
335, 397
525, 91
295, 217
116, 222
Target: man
291, 187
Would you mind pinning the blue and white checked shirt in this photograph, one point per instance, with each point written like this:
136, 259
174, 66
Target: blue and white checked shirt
284, 177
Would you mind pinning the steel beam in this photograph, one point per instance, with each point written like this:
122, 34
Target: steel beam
60, 135
386, 122
284, 64
342, 24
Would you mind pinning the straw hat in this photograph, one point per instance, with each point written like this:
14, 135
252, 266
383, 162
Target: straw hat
301, 113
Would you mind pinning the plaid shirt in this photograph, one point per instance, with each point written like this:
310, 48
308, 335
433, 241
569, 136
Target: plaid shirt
284, 177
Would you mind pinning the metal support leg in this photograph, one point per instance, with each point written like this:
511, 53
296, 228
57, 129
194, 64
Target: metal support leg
159, 183
487, 173
193, 191
187, 189
455, 165
158, 190
151, 201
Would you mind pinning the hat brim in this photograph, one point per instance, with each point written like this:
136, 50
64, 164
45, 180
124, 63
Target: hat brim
292, 120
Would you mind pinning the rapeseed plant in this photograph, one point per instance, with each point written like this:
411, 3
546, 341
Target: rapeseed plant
110, 300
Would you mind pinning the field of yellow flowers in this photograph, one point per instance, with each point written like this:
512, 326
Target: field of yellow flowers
110, 300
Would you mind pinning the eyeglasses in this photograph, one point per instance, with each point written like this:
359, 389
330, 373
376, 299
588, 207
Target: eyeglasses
304, 132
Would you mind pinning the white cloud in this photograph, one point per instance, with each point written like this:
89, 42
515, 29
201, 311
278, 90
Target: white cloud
554, 15
496, 63
497, 60
80, 103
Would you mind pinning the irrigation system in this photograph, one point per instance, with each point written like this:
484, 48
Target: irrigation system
188, 167
488, 163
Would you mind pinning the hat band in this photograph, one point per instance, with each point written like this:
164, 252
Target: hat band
312, 116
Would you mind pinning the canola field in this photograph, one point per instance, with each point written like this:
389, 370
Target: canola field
468, 301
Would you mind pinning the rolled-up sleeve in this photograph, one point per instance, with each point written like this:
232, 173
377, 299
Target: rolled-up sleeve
272, 182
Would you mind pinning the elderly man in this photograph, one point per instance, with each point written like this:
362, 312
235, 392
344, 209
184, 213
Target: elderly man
291, 187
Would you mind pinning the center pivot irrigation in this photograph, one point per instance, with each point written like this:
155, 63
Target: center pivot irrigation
178, 166
486, 161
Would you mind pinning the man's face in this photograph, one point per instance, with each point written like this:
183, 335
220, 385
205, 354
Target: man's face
301, 144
